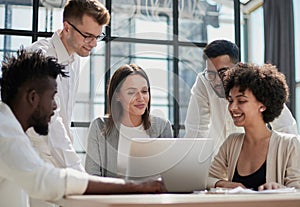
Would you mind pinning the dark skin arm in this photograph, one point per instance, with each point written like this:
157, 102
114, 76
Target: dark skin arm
119, 186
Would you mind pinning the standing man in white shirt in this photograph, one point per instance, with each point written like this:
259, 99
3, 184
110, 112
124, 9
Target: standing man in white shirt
28, 87
207, 114
83, 23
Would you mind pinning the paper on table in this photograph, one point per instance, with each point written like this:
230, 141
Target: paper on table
240, 190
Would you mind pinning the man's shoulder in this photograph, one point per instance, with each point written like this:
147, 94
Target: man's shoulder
283, 136
45, 45
9, 125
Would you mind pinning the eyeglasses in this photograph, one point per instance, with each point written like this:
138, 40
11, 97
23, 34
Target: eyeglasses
89, 38
210, 75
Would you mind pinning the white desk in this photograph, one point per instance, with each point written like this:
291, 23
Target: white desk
184, 200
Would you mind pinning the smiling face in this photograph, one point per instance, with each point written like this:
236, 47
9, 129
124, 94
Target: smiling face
45, 108
134, 98
217, 64
244, 108
75, 42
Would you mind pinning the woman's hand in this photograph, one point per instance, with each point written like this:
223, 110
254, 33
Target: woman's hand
227, 184
270, 186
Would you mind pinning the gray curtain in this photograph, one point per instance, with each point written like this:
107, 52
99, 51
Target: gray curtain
279, 41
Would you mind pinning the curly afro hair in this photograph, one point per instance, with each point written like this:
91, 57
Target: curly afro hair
266, 83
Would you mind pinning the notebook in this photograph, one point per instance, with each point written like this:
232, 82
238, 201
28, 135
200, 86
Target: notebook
182, 163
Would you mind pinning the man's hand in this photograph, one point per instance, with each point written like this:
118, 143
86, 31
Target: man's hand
151, 186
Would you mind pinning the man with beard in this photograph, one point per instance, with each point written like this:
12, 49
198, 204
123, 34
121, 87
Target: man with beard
28, 87
207, 114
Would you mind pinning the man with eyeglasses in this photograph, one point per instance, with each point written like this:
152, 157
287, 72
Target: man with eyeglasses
207, 114
83, 22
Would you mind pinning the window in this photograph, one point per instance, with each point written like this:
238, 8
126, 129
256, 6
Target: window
297, 54
169, 48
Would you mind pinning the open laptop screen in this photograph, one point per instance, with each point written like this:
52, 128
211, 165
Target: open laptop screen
182, 163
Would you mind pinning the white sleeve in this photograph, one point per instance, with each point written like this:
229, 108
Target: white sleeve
20, 164
198, 113
285, 122
61, 146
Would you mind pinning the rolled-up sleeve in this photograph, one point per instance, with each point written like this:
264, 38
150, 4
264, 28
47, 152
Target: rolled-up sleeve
76, 182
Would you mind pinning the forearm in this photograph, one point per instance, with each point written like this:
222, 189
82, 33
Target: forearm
119, 186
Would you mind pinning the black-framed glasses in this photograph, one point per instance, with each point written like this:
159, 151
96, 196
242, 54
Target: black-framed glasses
88, 38
211, 75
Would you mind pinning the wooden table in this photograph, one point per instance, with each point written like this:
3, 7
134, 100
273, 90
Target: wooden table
184, 200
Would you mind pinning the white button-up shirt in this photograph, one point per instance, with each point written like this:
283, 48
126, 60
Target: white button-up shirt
208, 115
57, 148
23, 173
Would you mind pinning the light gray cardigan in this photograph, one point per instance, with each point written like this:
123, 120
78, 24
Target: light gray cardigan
102, 151
283, 165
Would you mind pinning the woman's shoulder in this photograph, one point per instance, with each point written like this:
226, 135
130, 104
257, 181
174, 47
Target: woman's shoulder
285, 137
234, 138
158, 120
99, 122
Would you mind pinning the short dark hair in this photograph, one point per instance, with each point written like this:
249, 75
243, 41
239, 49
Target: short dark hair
24, 68
75, 9
266, 83
221, 47
114, 107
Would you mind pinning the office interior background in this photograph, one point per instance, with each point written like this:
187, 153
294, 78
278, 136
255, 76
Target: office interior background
166, 38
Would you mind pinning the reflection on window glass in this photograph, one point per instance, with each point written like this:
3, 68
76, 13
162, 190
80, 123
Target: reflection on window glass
80, 136
91, 92
224, 28
194, 18
10, 43
19, 12
50, 19
191, 63
2, 15
1, 58
13, 13
142, 19
256, 37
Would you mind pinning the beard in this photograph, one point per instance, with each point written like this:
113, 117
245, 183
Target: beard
41, 129
40, 122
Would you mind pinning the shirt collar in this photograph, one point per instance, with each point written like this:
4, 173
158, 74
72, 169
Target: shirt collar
61, 51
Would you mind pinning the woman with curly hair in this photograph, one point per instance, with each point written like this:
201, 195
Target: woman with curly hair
259, 158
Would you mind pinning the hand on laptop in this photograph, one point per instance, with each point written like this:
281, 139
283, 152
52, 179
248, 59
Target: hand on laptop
153, 184
150, 186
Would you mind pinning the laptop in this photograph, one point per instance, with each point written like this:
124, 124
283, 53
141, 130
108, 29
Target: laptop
182, 163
